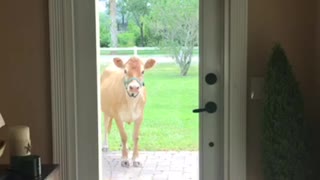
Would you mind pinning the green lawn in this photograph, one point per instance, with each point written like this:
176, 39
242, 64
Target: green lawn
169, 123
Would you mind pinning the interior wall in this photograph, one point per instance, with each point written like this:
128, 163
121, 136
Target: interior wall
318, 46
318, 43
25, 72
317, 92
318, 57
25, 65
292, 23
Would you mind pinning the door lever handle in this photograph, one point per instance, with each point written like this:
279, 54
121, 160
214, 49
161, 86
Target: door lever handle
210, 107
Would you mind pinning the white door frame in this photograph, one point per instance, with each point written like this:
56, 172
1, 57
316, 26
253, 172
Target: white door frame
73, 45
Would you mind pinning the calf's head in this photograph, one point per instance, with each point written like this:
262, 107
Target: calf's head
133, 71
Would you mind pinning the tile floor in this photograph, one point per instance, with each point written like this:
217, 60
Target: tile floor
159, 165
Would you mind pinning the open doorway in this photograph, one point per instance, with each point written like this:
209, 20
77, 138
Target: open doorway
74, 80
167, 32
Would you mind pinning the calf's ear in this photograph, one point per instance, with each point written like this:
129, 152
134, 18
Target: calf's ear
118, 62
149, 64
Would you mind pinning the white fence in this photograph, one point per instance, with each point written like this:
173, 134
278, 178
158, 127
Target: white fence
134, 49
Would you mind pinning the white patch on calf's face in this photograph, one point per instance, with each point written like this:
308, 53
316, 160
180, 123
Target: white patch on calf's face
133, 88
134, 77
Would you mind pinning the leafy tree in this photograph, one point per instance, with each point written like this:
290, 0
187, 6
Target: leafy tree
128, 12
138, 10
122, 10
104, 30
128, 38
150, 38
177, 23
284, 135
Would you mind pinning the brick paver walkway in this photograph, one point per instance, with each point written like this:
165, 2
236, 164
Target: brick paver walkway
160, 165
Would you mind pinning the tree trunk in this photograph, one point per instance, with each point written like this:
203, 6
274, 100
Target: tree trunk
183, 58
184, 69
142, 35
113, 30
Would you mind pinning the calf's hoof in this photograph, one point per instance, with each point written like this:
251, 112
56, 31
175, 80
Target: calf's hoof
137, 164
125, 163
105, 149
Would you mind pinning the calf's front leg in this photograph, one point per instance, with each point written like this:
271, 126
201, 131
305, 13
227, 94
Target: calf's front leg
136, 134
107, 126
124, 138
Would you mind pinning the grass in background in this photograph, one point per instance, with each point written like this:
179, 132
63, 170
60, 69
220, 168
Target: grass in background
156, 52
169, 123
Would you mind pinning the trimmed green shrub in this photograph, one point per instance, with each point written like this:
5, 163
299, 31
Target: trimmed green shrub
284, 135
126, 39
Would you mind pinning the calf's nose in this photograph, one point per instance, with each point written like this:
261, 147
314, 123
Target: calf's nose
134, 88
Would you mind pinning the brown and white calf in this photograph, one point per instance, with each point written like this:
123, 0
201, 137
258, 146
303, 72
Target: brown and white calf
123, 98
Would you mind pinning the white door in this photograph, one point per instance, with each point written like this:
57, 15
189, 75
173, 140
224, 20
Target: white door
211, 93
222, 55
